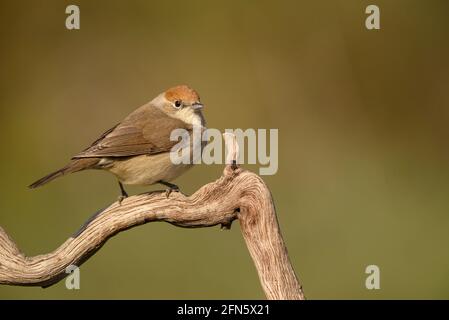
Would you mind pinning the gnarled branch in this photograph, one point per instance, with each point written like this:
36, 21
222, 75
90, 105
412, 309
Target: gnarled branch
238, 194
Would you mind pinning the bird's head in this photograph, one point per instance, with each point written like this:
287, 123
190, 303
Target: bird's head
180, 102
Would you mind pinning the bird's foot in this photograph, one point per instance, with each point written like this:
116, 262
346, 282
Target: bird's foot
121, 198
234, 165
168, 191
171, 188
124, 195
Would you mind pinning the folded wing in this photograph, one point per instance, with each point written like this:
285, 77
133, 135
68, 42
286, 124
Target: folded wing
145, 131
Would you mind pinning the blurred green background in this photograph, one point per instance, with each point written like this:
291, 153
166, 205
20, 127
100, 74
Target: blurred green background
363, 138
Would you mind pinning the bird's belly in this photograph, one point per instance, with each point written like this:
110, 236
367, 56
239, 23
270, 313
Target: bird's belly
147, 169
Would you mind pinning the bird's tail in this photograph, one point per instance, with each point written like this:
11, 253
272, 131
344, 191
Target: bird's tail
73, 166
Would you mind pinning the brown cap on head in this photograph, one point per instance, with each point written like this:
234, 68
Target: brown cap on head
183, 93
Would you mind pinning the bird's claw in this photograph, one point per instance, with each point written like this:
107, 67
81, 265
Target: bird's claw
234, 165
169, 190
171, 187
121, 198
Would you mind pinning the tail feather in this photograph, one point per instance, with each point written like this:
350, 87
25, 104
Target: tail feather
74, 166
47, 178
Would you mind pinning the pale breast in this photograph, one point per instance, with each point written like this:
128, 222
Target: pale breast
147, 169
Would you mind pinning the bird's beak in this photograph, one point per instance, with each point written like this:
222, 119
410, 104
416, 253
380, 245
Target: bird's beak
197, 106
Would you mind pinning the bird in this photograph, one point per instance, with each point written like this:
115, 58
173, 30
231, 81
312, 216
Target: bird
137, 150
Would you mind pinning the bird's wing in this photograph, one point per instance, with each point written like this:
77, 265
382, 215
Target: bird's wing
145, 131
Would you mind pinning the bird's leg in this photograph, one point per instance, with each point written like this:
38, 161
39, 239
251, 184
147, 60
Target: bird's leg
171, 187
234, 164
123, 195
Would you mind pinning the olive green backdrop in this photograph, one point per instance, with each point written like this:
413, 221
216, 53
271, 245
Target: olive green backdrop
363, 138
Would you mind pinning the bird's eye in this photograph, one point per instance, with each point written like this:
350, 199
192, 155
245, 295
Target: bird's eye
178, 103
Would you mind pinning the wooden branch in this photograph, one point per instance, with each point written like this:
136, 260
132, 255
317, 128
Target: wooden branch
238, 194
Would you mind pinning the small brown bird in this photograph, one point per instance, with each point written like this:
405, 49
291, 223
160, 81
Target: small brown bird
137, 150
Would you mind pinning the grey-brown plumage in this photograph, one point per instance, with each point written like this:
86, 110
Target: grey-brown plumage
145, 131
137, 149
